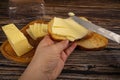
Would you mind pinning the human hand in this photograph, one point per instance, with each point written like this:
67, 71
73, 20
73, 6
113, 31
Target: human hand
49, 60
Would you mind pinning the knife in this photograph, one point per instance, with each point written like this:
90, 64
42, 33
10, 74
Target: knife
95, 28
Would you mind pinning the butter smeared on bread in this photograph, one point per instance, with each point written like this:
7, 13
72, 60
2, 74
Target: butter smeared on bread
61, 29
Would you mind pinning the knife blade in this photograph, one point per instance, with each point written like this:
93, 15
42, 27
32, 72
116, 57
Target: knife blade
95, 28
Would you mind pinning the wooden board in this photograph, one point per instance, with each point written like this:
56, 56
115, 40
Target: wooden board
9, 53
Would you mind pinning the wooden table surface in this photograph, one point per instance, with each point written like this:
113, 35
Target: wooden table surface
81, 65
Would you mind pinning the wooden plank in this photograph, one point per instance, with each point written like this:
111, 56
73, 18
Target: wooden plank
79, 63
74, 76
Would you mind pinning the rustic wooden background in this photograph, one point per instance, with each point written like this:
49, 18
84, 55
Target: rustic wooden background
81, 65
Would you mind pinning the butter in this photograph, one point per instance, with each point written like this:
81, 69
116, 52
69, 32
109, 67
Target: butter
71, 14
43, 29
30, 33
68, 28
33, 31
17, 39
37, 30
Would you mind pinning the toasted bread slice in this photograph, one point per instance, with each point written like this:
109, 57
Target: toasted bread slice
54, 36
62, 29
93, 41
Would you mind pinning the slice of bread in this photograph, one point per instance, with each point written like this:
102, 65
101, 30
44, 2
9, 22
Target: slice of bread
93, 41
62, 29
54, 36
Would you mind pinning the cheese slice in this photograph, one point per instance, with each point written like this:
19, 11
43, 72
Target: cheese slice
68, 28
17, 39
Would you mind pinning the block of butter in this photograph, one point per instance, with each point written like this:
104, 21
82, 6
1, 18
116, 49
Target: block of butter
67, 29
17, 39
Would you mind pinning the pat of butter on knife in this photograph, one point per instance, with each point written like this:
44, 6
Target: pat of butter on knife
17, 40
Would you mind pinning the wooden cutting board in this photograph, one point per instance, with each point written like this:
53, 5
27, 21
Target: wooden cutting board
8, 52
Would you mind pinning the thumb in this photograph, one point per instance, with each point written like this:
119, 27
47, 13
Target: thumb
60, 46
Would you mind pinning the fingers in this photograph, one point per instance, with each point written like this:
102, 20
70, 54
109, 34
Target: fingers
67, 52
45, 41
59, 47
64, 56
70, 49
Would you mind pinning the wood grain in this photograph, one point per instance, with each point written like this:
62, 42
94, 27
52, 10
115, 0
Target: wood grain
81, 65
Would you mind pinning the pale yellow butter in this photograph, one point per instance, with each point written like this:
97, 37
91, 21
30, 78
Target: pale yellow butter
17, 39
68, 28
37, 30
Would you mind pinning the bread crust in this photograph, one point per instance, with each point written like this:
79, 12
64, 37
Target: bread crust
58, 37
54, 36
93, 42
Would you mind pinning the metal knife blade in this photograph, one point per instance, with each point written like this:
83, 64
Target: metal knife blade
98, 29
